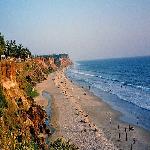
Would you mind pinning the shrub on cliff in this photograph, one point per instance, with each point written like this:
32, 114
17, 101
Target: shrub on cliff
31, 92
62, 145
3, 102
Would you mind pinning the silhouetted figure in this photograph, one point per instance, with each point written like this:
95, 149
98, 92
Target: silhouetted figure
134, 140
131, 128
89, 87
119, 136
118, 126
137, 120
110, 120
126, 136
125, 129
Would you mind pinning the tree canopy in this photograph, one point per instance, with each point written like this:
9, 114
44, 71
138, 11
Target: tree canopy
17, 51
2, 44
11, 49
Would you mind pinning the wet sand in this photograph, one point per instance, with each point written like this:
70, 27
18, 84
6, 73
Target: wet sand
86, 120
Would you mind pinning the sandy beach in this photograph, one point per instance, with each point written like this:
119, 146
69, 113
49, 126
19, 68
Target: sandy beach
86, 120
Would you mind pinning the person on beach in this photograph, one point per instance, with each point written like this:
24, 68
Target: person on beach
110, 120
89, 87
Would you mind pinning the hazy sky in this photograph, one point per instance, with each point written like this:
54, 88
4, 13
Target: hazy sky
86, 29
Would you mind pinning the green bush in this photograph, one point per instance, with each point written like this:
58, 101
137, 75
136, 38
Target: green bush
60, 144
30, 92
3, 102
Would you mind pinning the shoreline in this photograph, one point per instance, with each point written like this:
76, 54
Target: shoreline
139, 133
98, 112
118, 113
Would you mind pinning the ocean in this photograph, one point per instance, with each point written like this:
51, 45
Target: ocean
123, 83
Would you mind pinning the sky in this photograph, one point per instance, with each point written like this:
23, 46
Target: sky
86, 29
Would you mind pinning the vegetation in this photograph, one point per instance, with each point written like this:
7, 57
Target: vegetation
22, 121
2, 44
17, 51
61, 144
3, 102
30, 91
11, 49
55, 56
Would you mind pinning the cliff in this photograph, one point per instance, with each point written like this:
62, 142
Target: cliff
22, 121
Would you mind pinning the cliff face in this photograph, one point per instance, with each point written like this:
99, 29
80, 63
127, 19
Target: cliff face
64, 62
8, 70
22, 121
47, 62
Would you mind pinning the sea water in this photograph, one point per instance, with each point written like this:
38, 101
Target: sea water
124, 83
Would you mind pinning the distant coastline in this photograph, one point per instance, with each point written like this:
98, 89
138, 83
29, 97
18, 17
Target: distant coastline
110, 58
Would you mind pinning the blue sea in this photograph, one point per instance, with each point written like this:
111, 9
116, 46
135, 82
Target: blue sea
123, 83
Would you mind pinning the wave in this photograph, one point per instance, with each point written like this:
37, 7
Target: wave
143, 88
125, 83
122, 83
76, 64
135, 102
128, 92
117, 83
82, 73
134, 99
140, 87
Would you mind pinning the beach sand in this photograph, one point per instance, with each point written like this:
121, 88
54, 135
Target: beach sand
86, 120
